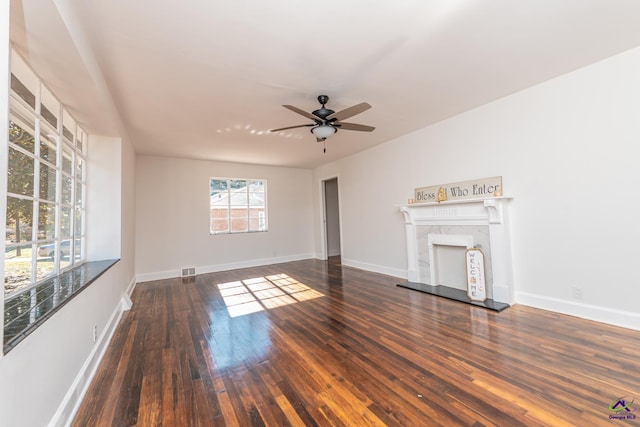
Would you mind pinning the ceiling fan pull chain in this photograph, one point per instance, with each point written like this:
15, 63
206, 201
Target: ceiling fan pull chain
324, 141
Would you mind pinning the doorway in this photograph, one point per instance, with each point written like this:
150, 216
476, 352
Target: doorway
332, 218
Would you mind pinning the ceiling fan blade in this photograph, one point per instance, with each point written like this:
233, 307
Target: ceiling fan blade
354, 126
349, 112
301, 112
292, 127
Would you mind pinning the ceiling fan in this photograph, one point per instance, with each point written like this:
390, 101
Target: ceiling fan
326, 122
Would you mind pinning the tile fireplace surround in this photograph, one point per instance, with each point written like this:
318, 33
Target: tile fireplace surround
480, 223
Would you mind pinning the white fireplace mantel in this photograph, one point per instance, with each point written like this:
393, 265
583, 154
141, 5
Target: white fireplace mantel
490, 212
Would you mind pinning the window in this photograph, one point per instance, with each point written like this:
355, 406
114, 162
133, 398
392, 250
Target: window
46, 180
237, 205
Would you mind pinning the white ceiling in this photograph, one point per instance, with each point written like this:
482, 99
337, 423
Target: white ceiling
206, 79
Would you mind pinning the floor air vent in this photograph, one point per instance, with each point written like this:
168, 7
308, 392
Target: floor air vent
187, 272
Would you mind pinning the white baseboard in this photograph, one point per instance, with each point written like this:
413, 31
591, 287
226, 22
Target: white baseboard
251, 263
72, 400
125, 301
158, 275
131, 286
169, 274
396, 272
609, 316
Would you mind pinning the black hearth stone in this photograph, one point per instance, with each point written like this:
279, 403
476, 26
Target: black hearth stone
454, 294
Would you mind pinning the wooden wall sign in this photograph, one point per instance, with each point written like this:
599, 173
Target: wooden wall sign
476, 189
476, 287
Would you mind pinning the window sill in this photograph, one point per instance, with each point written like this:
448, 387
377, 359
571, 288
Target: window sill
25, 312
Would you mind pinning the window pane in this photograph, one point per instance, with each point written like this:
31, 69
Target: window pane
80, 141
257, 186
239, 198
255, 212
21, 137
77, 254
67, 134
19, 226
23, 74
48, 116
77, 227
46, 221
219, 217
237, 183
258, 223
78, 193
219, 185
219, 188
65, 222
256, 199
257, 219
44, 268
47, 183
48, 144
69, 127
67, 184
219, 202
47, 250
17, 268
220, 225
20, 173
239, 213
21, 90
65, 261
79, 168
239, 225
66, 161
49, 107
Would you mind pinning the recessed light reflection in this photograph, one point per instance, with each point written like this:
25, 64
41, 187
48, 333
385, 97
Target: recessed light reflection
264, 293
247, 128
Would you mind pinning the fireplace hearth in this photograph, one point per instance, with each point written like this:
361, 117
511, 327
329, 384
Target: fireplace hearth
454, 294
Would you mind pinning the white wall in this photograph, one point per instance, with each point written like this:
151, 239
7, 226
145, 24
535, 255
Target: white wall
568, 153
172, 226
104, 161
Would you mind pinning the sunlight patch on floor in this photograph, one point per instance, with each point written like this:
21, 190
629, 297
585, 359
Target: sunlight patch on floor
259, 293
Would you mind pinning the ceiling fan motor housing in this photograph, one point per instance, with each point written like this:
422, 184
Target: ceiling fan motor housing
323, 112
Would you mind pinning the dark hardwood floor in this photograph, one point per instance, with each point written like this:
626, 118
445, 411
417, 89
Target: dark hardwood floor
333, 345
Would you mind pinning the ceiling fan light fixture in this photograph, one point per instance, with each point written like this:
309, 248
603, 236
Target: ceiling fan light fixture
323, 131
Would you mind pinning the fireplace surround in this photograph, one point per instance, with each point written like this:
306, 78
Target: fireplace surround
477, 223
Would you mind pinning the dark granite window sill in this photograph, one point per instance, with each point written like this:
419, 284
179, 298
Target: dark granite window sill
25, 312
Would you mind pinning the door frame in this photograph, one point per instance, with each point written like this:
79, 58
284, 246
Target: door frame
323, 216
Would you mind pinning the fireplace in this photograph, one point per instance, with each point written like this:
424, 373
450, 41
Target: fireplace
447, 261
438, 234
